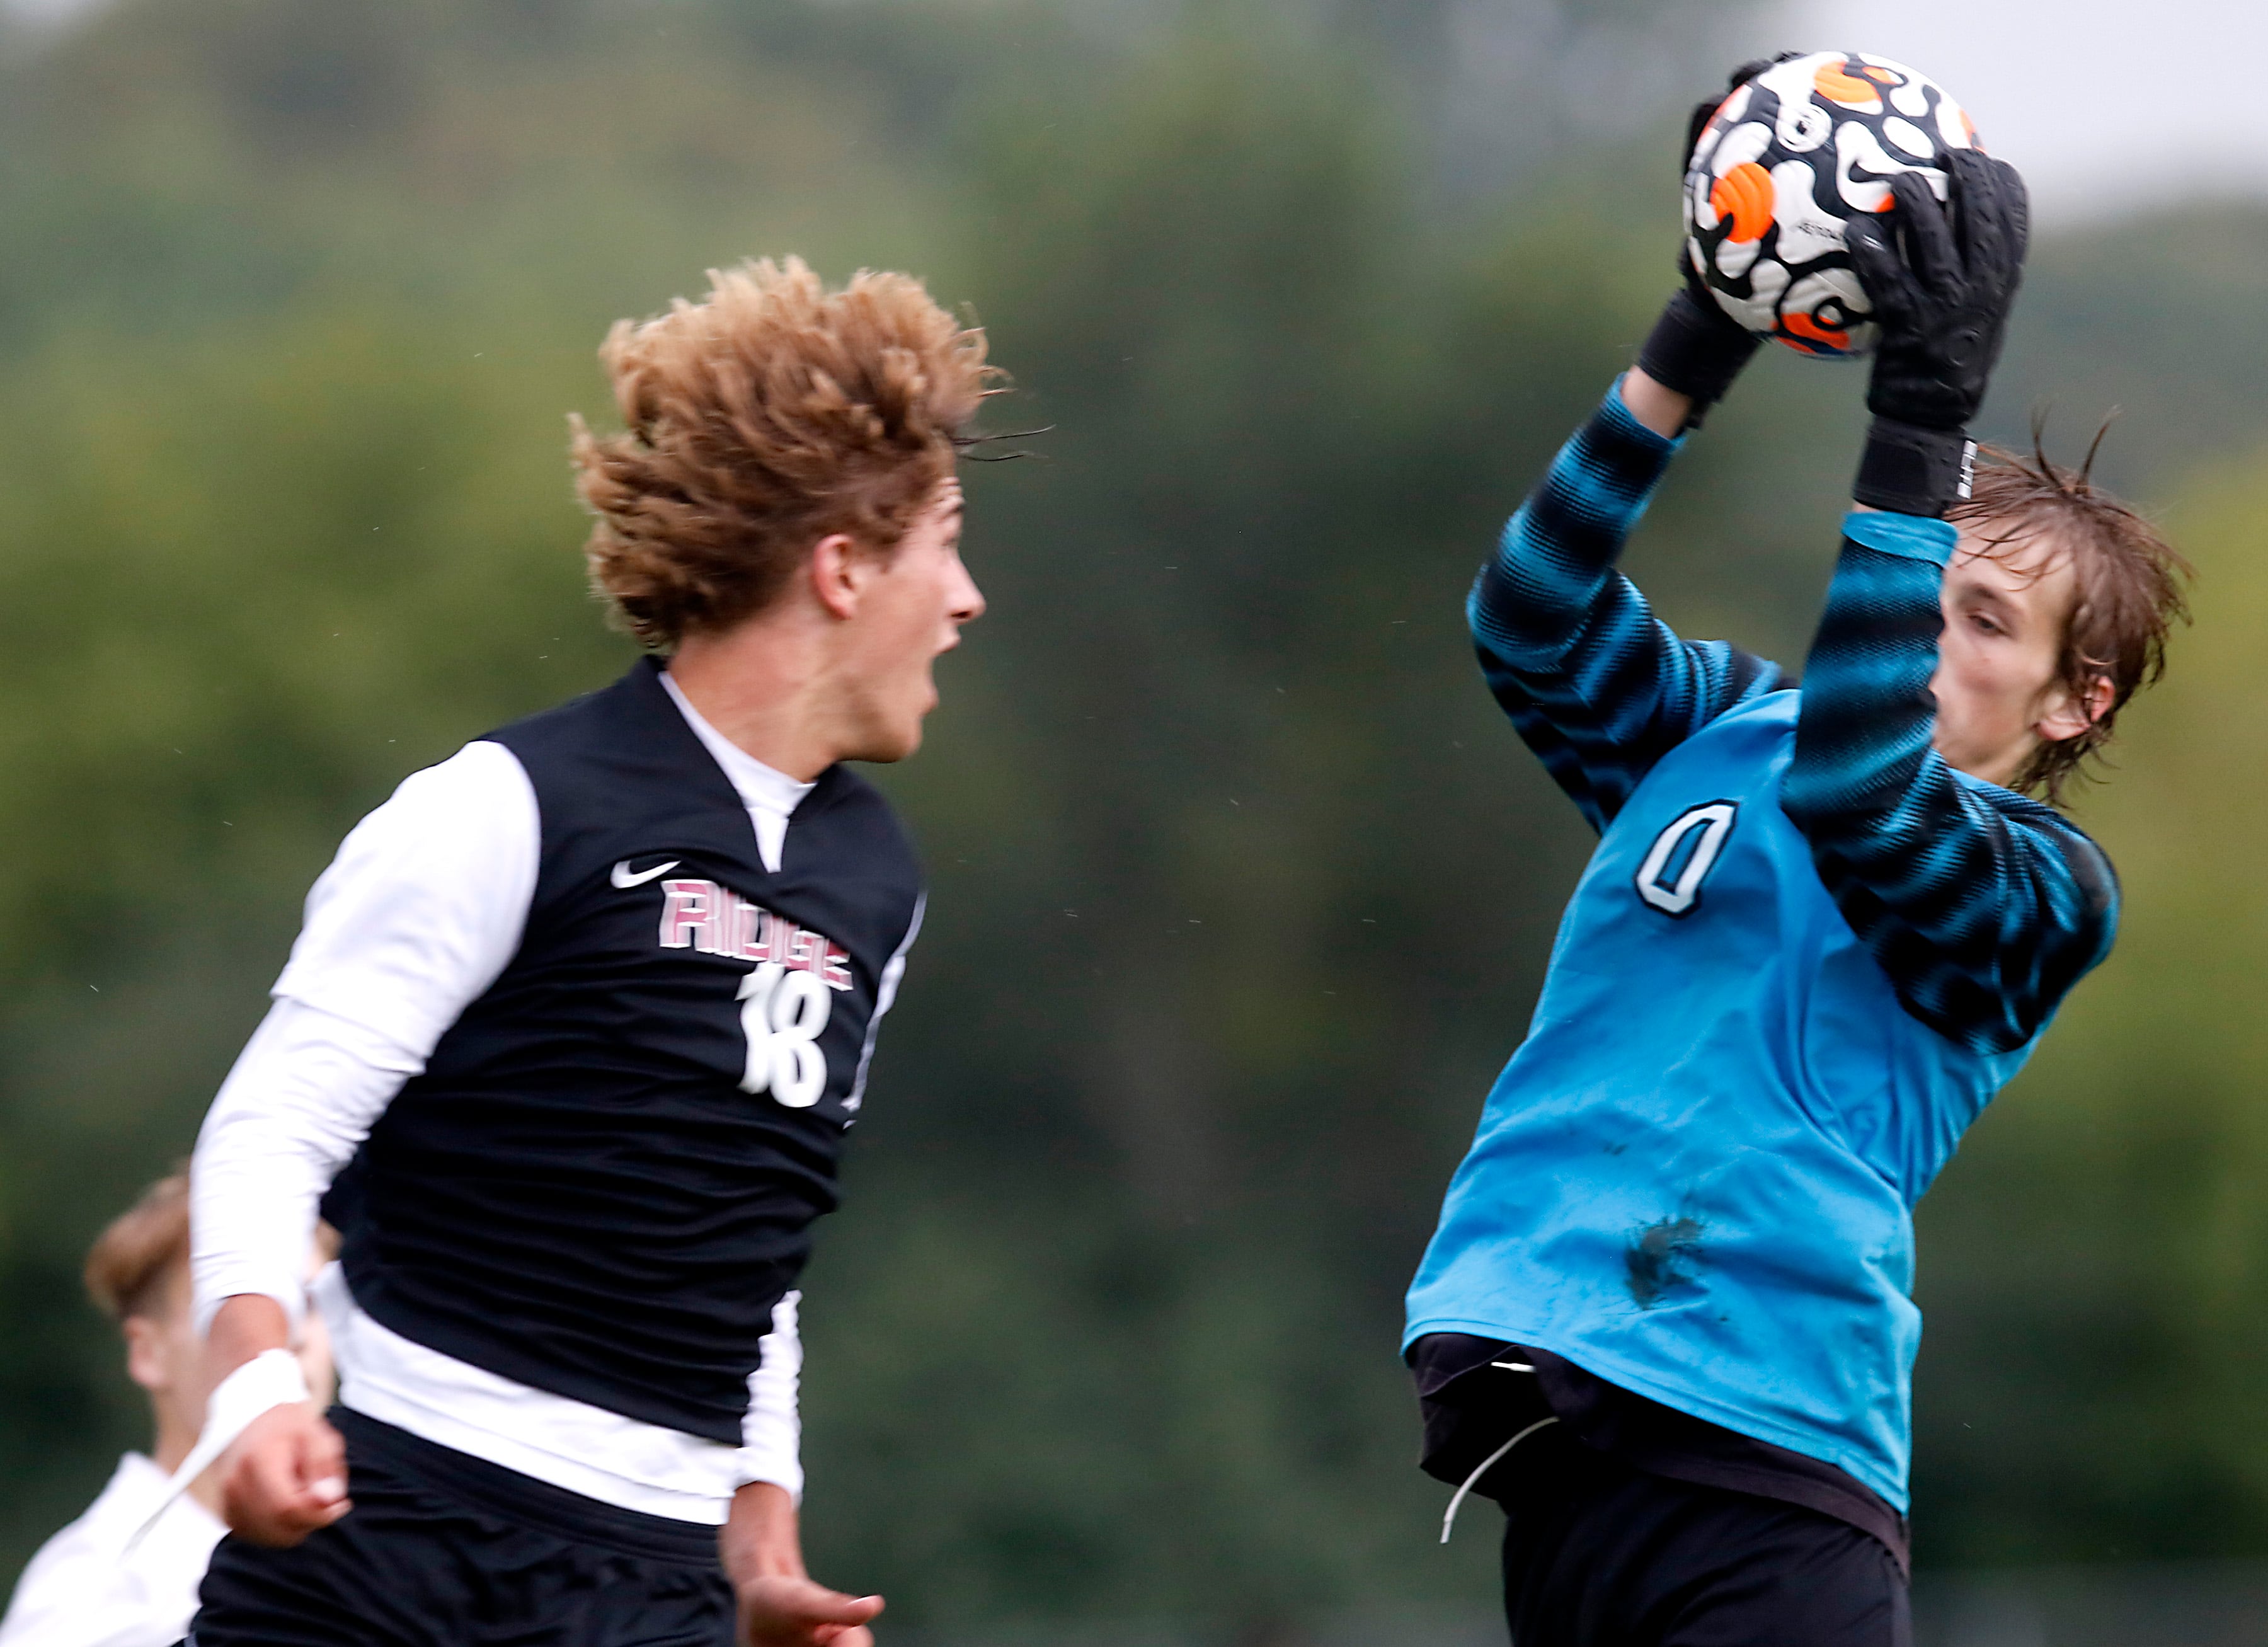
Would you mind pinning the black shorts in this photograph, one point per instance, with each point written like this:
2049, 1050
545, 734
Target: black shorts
441, 1549
1598, 1553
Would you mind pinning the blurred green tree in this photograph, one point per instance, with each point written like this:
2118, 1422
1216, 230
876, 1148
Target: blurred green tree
2094, 1268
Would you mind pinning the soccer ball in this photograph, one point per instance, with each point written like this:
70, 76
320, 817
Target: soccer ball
1788, 158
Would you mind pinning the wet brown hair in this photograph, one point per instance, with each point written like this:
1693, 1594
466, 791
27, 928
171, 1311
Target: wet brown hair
2128, 586
132, 1265
770, 415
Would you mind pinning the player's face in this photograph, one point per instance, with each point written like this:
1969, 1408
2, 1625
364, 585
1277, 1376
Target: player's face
165, 1356
910, 610
1999, 695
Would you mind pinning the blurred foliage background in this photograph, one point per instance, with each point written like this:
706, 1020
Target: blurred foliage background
1242, 890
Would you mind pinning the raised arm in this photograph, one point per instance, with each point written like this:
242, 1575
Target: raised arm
1598, 686
1983, 907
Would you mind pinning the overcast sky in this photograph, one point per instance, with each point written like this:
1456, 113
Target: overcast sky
2106, 105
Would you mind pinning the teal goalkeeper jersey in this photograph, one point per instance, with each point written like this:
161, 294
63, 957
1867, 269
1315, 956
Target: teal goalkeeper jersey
1804, 957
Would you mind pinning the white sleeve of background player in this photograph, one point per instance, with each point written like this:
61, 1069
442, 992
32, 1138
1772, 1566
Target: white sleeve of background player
771, 1436
419, 912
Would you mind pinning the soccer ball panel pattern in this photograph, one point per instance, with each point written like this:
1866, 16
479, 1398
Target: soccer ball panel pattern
1788, 160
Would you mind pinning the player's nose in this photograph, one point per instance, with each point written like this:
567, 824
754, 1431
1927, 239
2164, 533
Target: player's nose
968, 599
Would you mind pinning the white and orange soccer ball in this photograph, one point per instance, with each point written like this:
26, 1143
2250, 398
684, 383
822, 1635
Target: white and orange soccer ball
1788, 158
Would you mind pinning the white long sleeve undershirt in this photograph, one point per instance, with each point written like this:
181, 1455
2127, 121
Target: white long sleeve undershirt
421, 910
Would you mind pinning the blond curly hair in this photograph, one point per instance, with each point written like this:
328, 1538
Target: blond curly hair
771, 414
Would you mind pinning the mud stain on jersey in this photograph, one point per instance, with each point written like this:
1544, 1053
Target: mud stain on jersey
1658, 1256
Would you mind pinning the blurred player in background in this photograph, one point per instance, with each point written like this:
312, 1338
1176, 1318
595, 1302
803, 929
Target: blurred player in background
1665, 1320
85, 1588
589, 1008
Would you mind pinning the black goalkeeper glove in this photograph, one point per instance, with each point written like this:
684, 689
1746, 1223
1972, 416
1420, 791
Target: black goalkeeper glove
1942, 304
1695, 349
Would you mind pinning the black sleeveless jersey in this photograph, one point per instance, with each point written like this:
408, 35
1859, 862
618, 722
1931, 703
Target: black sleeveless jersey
606, 1177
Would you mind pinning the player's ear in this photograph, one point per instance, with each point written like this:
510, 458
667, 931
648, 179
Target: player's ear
836, 574
145, 1353
2068, 713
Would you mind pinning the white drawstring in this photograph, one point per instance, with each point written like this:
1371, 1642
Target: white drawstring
1449, 1519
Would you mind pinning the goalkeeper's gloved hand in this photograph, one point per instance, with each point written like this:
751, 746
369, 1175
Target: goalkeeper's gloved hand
1942, 279
1695, 349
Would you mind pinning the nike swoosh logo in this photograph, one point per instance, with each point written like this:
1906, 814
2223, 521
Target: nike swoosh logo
624, 879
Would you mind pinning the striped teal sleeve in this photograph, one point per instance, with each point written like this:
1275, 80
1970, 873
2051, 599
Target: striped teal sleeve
1984, 907
1594, 683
